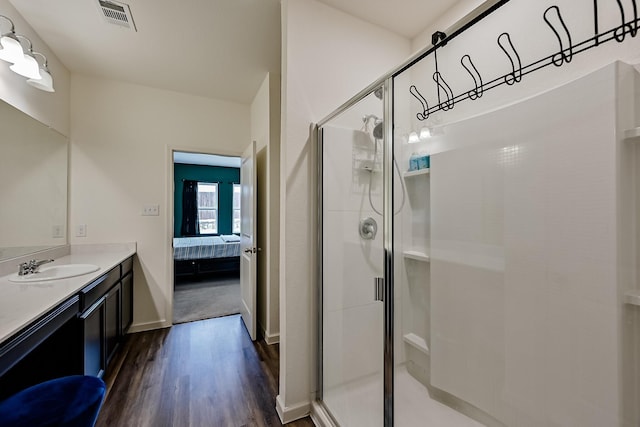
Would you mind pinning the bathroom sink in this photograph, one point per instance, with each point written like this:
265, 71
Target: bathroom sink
55, 272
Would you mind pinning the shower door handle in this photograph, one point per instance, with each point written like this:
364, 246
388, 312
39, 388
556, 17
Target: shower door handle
379, 288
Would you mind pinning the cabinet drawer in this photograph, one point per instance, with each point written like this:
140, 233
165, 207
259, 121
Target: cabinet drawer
98, 288
127, 266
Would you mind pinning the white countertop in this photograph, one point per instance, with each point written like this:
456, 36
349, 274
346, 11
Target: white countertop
22, 303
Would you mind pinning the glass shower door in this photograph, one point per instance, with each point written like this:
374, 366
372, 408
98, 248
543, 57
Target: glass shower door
352, 313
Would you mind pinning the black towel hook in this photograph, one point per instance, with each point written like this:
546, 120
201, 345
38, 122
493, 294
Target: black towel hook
565, 54
476, 92
424, 115
516, 65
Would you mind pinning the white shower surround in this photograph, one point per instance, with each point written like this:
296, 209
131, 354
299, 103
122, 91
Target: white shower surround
530, 255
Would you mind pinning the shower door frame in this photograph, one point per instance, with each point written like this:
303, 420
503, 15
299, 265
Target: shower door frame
387, 232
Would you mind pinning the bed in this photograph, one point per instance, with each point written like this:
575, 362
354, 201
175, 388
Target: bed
194, 256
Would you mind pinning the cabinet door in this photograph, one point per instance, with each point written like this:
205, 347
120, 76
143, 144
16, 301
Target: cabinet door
112, 320
93, 330
127, 302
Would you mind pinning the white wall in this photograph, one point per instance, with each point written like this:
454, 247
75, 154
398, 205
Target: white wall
52, 109
327, 57
120, 160
442, 23
265, 130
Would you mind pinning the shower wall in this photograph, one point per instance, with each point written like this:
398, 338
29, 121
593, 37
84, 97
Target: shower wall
525, 257
352, 318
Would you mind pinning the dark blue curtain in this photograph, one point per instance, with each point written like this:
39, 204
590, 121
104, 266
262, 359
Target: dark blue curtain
189, 208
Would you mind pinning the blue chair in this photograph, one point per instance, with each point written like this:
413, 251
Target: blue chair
73, 401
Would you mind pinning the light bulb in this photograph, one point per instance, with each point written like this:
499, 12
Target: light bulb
425, 133
413, 138
11, 48
45, 83
28, 67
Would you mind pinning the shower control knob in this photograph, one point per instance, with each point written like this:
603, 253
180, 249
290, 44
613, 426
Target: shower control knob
368, 228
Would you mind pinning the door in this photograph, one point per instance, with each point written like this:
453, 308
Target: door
113, 319
93, 338
127, 303
249, 252
352, 201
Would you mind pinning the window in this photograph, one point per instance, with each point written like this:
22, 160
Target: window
207, 208
236, 208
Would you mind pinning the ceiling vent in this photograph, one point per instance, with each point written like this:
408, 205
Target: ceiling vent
117, 13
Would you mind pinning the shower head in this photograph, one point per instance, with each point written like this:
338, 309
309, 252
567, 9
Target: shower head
377, 129
378, 92
377, 125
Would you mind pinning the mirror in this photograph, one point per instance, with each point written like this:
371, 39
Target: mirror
33, 184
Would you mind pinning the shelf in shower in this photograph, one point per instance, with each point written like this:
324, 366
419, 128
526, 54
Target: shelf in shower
632, 297
416, 342
416, 173
416, 255
632, 133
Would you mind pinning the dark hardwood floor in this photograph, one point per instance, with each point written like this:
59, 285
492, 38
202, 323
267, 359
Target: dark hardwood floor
204, 373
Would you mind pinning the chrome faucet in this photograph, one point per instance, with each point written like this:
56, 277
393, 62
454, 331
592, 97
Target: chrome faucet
32, 266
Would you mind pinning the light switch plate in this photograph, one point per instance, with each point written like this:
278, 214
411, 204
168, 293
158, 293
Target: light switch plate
57, 231
81, 230
151, 210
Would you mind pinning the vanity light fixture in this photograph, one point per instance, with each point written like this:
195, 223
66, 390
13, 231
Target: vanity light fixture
24, 61
11, 48
28, 67
45, 82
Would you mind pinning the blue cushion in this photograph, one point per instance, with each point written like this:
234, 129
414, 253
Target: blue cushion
72, 401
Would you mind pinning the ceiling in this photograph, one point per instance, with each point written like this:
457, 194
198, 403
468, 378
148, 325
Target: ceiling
213, 48
405, 17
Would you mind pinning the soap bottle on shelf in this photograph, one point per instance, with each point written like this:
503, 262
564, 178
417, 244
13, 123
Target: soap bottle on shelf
413, 162
424, 161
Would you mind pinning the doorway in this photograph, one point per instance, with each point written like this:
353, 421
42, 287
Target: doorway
206, 236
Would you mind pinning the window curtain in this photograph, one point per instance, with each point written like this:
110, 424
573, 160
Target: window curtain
189, 208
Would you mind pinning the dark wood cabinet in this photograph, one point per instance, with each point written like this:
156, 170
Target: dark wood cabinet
78, 337
107, 320
127, 302
113, 320
93, 338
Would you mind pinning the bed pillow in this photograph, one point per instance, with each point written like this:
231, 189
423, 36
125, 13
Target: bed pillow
230, 238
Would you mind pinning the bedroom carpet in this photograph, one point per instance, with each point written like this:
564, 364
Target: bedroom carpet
206, 299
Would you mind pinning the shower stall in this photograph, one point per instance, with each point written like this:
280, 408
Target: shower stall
478, 260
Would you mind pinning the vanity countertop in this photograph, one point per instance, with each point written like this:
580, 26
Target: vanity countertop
22, 303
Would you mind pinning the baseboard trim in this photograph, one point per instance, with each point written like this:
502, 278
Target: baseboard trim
291, 413
148, 326
268, 338
271, 339
320, 416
